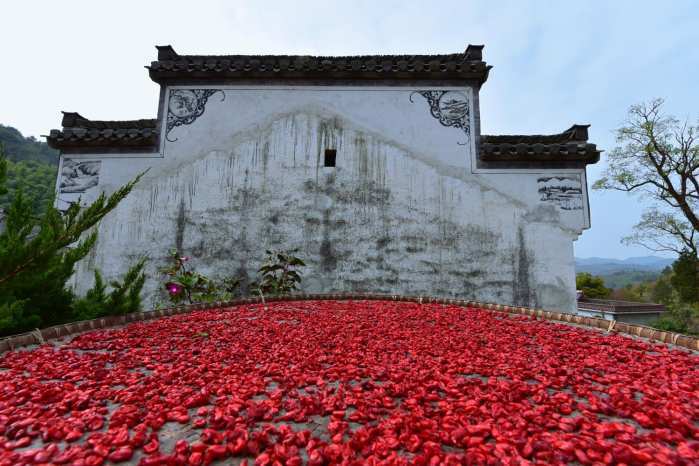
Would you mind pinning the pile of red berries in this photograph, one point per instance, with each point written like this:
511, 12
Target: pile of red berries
349, 382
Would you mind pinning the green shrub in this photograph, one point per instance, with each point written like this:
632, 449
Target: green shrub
591, 285
680, 317
38, 253
279, 273
125, 296
685, 277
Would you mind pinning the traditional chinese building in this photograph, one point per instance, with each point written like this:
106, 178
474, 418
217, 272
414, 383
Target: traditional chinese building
373, 167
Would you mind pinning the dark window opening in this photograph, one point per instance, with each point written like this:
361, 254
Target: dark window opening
330, 155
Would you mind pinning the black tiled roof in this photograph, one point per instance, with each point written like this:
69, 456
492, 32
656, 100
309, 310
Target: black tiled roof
569, 146
78, 132
172, 67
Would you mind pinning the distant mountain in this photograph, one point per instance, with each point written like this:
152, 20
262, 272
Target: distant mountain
21, 149
32, 166
618, 273
617, 280
606, 266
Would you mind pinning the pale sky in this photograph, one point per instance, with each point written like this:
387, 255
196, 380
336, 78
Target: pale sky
555, 62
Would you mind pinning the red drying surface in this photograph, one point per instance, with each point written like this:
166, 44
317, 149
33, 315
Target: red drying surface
361, 382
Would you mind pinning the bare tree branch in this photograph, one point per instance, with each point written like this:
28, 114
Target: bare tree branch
658, 158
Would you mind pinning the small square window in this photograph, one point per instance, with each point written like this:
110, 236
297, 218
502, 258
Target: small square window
330, 155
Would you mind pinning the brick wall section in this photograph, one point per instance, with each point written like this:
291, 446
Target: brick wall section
59, 331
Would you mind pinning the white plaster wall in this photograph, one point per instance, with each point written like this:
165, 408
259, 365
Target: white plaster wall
402, 211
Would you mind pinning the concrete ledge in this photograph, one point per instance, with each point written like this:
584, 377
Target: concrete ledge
59, 331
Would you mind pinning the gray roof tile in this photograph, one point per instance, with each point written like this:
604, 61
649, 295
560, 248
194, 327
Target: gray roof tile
78, 132
173, 67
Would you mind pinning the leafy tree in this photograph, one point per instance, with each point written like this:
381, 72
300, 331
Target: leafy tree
3, 172
659, 159
662, 291
631, 292
35, 179
591, 286
31, 167
685, 277
643, 291
38, 253
124, 298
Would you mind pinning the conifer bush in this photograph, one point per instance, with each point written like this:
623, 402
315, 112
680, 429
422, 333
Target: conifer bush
38, 253
125, 296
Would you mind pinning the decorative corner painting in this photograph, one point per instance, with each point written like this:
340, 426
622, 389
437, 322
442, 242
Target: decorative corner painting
185, 106
78, 176
450, 108
564, 191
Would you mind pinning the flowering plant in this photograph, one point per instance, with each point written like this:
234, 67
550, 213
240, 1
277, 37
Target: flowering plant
278, 274
185, 284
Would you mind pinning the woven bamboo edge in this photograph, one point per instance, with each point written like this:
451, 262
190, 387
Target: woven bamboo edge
59, 331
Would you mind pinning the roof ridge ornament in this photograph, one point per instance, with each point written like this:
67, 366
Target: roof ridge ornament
71, 119
166, 52
474, 52
578, 132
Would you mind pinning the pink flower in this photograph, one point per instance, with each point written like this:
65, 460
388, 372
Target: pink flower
173, 288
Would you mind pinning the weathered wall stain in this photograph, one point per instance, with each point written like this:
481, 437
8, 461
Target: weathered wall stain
522, 294
386, 219
180, 226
